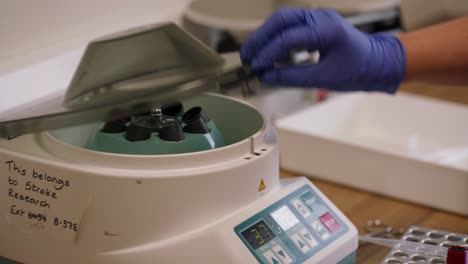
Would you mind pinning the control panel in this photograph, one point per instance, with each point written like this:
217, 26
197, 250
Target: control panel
292, 230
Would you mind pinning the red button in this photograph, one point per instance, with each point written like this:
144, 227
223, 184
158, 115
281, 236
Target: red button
329, 222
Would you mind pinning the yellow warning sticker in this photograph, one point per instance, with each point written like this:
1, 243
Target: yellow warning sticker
262, 186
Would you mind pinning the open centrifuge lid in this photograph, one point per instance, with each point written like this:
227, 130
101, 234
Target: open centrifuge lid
127, 73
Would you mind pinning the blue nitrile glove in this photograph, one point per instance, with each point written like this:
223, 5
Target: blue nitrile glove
350, 60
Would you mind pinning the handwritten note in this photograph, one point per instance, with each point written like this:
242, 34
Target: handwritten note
38, 199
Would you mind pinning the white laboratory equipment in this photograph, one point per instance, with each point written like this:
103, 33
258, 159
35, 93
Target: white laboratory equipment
63, 202
224, 24
404, 146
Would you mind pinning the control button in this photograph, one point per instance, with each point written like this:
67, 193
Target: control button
300, 244
329, 221
310, 200
308, 238
273, 225
282, 255
320, 230
300, 207
285, 218
271, 258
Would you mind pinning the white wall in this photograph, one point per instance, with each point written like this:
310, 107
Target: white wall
32, 30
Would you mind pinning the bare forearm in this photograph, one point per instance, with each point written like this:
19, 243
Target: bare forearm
438, 53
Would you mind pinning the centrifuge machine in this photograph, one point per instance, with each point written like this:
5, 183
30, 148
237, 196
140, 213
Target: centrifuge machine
136, 163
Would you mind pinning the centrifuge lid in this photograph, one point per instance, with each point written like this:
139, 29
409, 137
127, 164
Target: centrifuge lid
127, 73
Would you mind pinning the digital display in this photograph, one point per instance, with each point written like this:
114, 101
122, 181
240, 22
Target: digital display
258, 234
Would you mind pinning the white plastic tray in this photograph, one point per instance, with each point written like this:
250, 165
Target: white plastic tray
404, 146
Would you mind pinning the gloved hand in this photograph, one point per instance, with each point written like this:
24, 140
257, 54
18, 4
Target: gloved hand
350, 60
